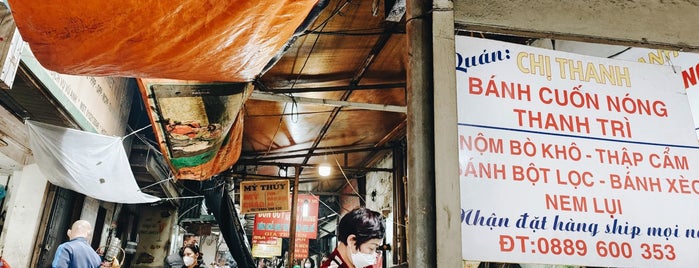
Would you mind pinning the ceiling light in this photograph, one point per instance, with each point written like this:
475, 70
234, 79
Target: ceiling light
324, 168
282, 171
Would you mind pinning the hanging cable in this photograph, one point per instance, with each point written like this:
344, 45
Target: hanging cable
271, 142
321, 26
182, 197
156, 183
355, 192
298, 76
344, 175
134, 132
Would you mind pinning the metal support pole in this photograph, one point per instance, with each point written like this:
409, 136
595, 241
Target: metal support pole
421, 167
294, 212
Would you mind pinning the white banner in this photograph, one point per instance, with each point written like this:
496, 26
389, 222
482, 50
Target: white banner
92, 164
570, 159
685, 65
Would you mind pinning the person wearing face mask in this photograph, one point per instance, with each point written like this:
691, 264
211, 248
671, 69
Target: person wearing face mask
360, 234
174, 260
190, 255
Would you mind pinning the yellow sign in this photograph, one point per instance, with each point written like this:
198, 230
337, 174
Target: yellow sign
264, 196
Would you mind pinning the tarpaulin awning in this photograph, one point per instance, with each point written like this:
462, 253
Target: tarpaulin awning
88, 163
198, 126
228, 40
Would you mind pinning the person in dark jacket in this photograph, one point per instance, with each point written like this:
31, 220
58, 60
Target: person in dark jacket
77, 252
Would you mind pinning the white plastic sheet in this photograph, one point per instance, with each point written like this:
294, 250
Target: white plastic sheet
92, 164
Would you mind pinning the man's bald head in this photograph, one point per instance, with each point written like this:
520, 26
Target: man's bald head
80, 228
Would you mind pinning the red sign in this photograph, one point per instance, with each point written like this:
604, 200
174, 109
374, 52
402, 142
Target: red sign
276, 224
301, 248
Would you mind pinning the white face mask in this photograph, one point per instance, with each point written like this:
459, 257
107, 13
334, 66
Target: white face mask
361, 260
188, 260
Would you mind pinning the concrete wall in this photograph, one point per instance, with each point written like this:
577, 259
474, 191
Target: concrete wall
207, 245
380, 183
97, 104
655, 24
108, 218
154, 229
176, 237
25, 201
89, 213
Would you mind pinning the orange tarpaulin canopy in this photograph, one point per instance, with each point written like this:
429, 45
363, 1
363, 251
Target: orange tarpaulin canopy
186, 39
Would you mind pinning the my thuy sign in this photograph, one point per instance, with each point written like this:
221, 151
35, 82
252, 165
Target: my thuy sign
264, 196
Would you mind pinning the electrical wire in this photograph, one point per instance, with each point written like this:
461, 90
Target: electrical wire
145, 140
321, 26
344, 175
134, 132
185, 212
298, 76
378, 31
271, 142
315, 30
336, 11
156, 183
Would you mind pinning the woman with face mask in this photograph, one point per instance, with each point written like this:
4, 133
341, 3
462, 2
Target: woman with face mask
190, 255
360, 234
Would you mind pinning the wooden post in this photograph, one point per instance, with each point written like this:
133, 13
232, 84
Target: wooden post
294, 212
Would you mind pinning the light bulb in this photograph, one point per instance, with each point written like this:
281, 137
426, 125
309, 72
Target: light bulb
324, 170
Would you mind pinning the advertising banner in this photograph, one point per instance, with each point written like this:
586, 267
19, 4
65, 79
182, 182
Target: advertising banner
197, 125
685, 65
266, 247
570, 159
264, 196
277, 223
301, 248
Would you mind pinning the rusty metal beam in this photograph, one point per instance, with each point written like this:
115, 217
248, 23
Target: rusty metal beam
264, 88
259, 157
371, 57
375, 50
328, 102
